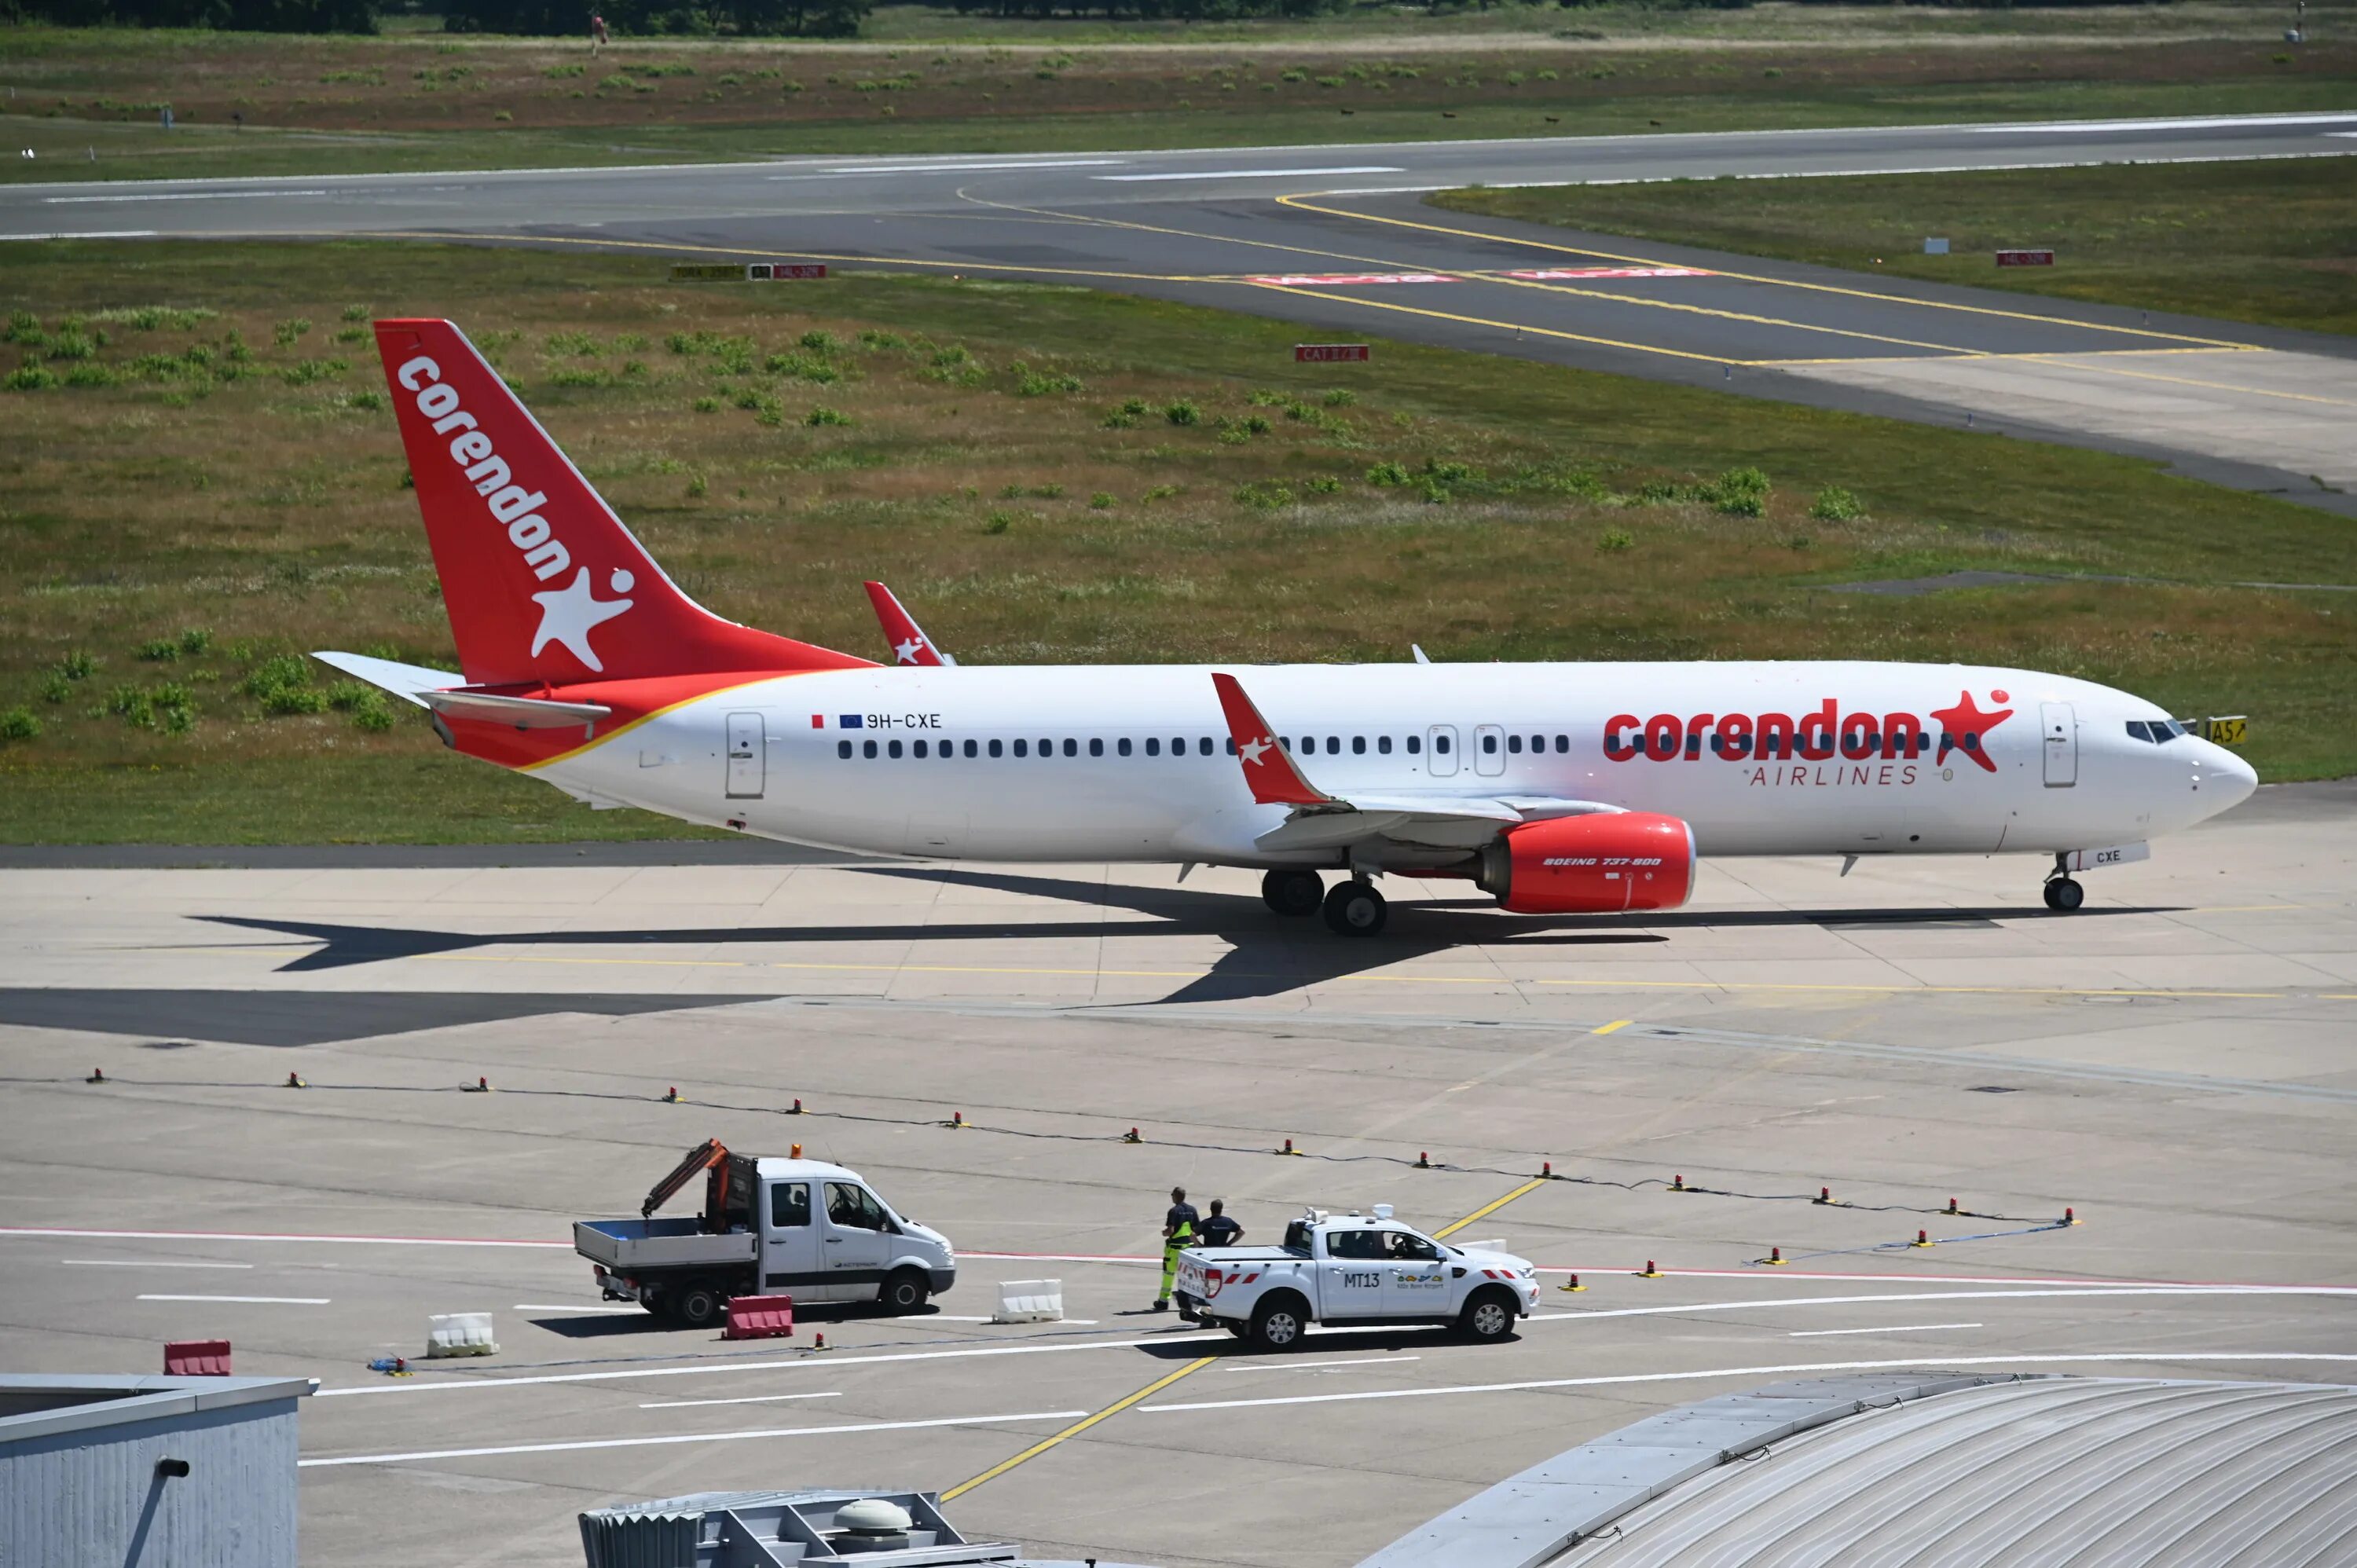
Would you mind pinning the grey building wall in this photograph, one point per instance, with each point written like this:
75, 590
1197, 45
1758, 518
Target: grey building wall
93, 1495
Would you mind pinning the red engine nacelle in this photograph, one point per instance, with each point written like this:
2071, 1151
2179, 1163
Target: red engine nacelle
1594, 865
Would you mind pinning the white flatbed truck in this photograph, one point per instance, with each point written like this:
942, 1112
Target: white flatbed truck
805, 1228
1353, 1269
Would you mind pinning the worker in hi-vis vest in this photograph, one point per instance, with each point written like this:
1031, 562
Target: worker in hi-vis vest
1178, 1235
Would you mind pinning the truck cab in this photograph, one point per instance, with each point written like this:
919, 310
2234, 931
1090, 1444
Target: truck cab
806, 1229
1354, 1269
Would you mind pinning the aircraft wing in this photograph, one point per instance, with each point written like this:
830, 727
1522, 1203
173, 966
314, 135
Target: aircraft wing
910, 644
1436, 818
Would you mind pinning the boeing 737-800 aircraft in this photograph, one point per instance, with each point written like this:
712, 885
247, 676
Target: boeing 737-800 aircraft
1557, 789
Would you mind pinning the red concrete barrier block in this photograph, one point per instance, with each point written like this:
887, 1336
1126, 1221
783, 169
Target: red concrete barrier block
197, 1358
759, 1318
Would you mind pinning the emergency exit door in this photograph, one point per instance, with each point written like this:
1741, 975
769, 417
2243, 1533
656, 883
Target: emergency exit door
1440, 747
1488, 748
2061, 745
746, 761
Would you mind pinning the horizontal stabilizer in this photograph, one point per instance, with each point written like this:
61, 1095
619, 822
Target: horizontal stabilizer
522, 713
407, 681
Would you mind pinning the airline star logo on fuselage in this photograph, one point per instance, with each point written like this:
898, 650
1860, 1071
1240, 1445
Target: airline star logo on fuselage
1251, 751
1966, 718
568, 615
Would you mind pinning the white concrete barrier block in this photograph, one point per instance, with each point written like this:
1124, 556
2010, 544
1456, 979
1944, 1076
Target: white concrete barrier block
460, 1334
1030, 1301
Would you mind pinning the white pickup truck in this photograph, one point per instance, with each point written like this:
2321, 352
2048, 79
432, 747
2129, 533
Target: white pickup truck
1353, 1269
805, 1228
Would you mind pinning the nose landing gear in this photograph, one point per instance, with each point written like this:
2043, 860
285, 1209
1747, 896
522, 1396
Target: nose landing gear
2062, 893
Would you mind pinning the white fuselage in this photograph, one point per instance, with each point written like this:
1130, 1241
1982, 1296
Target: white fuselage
1132, 763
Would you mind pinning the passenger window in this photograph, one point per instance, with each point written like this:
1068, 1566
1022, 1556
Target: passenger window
1154, 745
1383, 743
1490, 745
1177, 745
1097, 748
1071, 747
1538, 743
789, 1205
1514, 744
1203, 745
919, 748
1358, 745
996, 748
1285, 744
1022, 749
868, 749
853, 1208
1333, 745
1440, 744
1122, 745
842, 748
1231, 746
1047, 748
1563, 743
892, 748
969, 748
1415, 745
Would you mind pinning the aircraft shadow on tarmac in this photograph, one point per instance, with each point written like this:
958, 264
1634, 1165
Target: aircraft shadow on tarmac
1265, 956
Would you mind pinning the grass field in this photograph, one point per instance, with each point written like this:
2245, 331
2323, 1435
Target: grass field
2272, 241
201, 477
87, 103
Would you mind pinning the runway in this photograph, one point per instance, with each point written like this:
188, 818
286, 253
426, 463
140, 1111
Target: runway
2169, 1065
1337, 239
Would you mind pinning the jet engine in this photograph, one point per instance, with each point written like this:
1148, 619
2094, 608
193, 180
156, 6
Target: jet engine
1601, 863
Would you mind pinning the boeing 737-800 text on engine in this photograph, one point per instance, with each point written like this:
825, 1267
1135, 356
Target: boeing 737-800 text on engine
1559, 789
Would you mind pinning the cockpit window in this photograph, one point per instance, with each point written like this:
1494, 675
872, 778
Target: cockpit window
2157, 732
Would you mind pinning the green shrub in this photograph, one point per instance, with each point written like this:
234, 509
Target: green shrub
285, 673
55, 688
998, 522
71, 345
373, 713
195, 640
819, 341
1615, 539
1162, 492
18, 723
1031, 383
825, 415
1266, 494
24, 327
1835, 504
697, 487
364, 402
286, 332
78, 665
345, 696
349, 313
579, 345
802, 367
1739, 492
874, 340
1340, 397
90, 373
1256, 424
707, 406
160, 650
31, 378
1120, 419
1183, 412
1101, 501
288, 700
1387, 474
1323, 485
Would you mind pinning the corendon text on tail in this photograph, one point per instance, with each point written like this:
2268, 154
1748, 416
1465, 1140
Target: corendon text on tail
1558, 789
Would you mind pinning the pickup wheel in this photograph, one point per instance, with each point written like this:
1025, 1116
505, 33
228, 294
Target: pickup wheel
904, 1291
698, 1305
1488, 1317
1277, 1324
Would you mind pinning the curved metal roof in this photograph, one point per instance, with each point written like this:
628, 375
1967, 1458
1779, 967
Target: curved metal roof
2040, 1471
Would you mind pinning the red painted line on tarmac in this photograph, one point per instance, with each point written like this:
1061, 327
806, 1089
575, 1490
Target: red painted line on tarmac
1299, 280
1548, 274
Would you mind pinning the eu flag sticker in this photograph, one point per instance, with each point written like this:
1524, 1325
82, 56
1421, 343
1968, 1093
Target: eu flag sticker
850, 721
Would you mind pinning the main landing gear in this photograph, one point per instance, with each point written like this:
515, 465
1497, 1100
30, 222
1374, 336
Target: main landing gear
1293, 891
2063, 894
1355, 910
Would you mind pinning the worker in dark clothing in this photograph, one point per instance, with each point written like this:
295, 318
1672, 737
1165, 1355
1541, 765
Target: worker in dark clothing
1178, 1234
1218, 1229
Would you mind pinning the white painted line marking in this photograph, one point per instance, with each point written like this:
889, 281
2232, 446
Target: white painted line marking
89, 234
693, 1437
2202, 122
1893, 1329
571, 1307
1911, 1296
2157, 1358
141, 1263
39, 1230
1255, 173
751, 1398
969, 168
179, 196
1321, 1366
253, 1300
715, 1369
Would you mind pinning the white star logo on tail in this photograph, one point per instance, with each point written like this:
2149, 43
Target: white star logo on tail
568, 615
906, 652
1251, 751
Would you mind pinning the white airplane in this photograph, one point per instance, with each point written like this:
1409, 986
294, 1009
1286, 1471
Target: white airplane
1557, 789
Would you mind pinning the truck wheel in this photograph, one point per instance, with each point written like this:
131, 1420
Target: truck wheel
1278, 1325
1488, 1317
904, 1291
698, 1305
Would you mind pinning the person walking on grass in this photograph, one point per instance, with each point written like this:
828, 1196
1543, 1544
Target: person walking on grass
1178, 1234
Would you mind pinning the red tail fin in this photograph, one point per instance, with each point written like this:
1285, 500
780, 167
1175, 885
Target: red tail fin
542, 580
909, 643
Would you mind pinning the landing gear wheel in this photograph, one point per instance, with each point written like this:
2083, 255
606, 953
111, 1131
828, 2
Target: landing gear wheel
904, 1291
698, 1305
2063, 895
1355, 910
1293, 892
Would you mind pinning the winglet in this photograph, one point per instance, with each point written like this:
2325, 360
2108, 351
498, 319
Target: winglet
910, 644
1270, 773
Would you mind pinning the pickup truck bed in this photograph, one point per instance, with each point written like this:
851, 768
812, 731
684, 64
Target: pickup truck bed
632, 1246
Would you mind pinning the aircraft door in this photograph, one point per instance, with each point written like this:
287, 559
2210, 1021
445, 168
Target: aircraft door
2061, 746
789, 1244
1441, 749
1488, 750
747, 764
